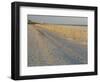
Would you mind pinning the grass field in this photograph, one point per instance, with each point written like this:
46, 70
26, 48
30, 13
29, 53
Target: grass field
50, 45
76, 33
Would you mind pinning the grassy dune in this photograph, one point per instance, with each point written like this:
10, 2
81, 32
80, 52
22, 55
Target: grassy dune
77, 33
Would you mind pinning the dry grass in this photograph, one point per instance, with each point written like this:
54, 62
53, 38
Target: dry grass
77, 33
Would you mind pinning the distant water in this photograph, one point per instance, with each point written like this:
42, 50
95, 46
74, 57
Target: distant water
69, 20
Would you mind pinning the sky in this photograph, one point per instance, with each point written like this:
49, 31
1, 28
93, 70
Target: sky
59, 19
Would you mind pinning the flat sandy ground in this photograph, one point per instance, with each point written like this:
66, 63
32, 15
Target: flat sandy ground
46, 48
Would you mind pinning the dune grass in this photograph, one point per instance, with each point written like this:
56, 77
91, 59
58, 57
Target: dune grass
77, 33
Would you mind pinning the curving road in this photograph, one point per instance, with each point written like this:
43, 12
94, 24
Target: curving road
47, 48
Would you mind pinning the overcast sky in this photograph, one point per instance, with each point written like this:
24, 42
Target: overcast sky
58, 19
